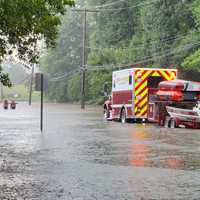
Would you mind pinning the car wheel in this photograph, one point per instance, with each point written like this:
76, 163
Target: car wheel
106, 114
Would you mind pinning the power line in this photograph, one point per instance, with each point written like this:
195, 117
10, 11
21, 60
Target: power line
100, 8
151, 42
147, 59
64, 75
177, 37
59, 74
141, 4
109, 4
134, 6
118, 66
23, 80
144, 59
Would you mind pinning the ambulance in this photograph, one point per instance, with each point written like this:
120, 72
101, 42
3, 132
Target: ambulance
132, 90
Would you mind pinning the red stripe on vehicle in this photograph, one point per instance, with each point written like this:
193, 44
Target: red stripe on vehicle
144, 105
162, 75
142, 91
167, 73
144, 80
144, 113
145, 96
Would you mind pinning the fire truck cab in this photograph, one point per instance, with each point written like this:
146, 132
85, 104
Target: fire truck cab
132, 92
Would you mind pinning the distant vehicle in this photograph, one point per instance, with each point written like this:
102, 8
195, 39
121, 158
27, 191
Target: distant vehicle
16, 95
13, 105
5, 104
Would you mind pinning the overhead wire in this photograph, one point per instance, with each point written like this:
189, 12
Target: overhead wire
148, 58
124, 8
151, 43
118, 66
109, 4
113, 67
64, 75
23, 80
178, 36
102, 8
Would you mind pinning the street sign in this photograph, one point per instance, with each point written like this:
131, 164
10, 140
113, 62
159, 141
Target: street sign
38, 81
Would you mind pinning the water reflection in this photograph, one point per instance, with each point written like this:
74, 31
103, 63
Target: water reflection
145, 153
175, 163
140, 146
140, 150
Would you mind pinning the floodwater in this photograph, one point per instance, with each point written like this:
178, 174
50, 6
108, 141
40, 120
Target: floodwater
79, 156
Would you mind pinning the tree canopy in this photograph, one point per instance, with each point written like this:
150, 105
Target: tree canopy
160, 33
24, 22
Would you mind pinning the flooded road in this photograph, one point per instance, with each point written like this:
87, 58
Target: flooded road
79, 156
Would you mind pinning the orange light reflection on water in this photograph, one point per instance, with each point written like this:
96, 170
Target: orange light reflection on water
141, 152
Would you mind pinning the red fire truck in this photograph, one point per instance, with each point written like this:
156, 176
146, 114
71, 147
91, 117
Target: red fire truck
154, 95
131, 89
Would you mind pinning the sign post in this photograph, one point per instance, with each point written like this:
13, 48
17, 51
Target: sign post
41, 103
39, 86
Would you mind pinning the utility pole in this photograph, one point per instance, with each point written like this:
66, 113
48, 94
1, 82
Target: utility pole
83, 57
2, 96
31, 85
83, 62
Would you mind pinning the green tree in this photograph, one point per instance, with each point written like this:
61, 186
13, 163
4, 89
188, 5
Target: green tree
24, 22
192, 62
124, 33
64, 58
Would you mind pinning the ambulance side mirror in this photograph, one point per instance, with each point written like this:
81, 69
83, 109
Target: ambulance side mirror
105, 91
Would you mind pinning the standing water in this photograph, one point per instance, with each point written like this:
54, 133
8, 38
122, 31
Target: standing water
80, 156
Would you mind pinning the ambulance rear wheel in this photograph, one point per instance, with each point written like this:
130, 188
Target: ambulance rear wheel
106, 114
123, 116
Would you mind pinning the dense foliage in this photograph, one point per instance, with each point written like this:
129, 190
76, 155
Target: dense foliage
161, 33
23, 23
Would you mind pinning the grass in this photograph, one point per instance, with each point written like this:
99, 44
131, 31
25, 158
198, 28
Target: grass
19, 93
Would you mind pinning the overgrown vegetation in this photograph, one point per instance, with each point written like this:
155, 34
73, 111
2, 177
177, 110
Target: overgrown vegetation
122, 34
19, 93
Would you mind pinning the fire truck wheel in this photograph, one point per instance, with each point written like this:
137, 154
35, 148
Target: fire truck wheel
106, 114
123, 116
172, 123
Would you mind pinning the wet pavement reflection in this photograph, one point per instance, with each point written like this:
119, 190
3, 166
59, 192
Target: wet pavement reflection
81, 156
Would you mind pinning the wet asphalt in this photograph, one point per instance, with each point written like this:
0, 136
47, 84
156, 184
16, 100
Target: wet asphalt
79, 156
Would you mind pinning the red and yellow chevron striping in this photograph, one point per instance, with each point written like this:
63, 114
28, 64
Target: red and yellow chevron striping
141, 88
